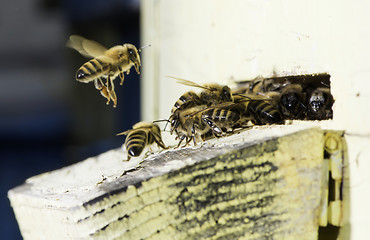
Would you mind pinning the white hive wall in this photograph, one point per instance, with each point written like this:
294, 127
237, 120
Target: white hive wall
221, 41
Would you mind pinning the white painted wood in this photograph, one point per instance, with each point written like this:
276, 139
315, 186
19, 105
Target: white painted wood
91, 200
221, 40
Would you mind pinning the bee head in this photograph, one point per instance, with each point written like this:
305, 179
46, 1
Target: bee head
133, 56
226, 94
290, 101
316, 102
319, 99
132, 53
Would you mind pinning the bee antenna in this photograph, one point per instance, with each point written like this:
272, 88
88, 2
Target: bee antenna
144, 47
165, 126
241, 95
326, 85
303, 105
162, 120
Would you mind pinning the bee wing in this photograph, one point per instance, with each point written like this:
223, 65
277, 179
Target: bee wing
246, 97
206, 108
124, 133
189, 83
86, 47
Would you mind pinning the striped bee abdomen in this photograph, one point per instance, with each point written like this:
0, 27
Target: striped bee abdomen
222, 115
135, 142
188, 99
264, 113
91, 70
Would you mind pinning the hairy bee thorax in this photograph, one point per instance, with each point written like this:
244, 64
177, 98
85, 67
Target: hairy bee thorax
216, 94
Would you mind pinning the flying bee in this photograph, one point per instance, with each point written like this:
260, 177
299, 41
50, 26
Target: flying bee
141, 135
212, 93
106, 64
319, 104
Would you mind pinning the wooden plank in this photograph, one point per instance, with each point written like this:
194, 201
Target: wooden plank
261, 183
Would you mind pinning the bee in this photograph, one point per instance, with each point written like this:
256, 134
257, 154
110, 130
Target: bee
202, 121
225, 117
319, 104
141, 135
187, 100
106, 64
292, 102
289, 98
263, 112
212, 93
189, 125
262, 85
260, 108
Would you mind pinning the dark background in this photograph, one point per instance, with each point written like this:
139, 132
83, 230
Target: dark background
47, 119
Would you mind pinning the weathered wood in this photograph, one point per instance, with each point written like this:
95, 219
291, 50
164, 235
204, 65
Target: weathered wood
259, 184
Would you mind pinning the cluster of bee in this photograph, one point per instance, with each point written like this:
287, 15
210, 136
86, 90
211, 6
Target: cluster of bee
302, 97
218, 110
214, 112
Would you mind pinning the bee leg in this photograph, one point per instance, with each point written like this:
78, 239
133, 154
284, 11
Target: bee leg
128, 158
102, 88
98, 84
263, 85
195, 143
193, 135
161, 144
121, 75
137, 68
148, 153
112, 93
105, 94
181, 139
217, 131
158, 140
203, 136
188, 140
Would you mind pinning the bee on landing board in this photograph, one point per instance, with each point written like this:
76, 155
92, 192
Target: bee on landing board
106, 64
212, 93
199, 122
141, 135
